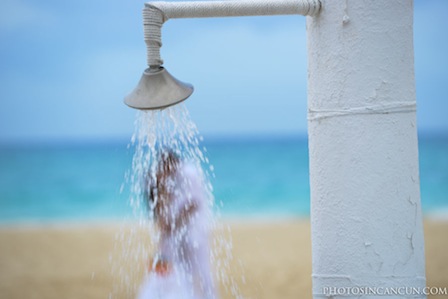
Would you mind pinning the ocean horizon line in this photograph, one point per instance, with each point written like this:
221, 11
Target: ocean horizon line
212, 139
122, 141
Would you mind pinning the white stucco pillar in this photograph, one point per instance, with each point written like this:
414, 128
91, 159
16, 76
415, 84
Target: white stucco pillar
365, 200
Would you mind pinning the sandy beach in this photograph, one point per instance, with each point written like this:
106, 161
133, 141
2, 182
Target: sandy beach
73, 261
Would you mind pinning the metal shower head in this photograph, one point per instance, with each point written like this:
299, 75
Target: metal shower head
158, 89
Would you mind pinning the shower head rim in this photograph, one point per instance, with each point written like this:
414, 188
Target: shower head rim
158, 89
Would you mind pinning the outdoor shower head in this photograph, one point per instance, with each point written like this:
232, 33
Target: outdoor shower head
158, 89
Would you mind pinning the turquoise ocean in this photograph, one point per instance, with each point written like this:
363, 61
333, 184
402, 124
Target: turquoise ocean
253, 178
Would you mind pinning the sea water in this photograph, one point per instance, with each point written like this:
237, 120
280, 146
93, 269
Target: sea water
255, 177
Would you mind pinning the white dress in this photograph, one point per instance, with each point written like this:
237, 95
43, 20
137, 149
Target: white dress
186, 248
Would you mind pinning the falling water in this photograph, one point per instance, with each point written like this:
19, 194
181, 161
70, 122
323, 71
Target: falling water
138, 240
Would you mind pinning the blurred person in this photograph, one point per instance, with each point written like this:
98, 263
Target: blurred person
177, 200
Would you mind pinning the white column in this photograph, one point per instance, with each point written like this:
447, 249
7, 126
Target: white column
365, 199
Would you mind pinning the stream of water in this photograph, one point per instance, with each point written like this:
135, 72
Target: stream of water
145, 235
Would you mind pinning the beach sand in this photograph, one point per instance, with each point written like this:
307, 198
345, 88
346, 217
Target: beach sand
74, 261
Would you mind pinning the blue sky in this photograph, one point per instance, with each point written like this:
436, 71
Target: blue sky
65, 67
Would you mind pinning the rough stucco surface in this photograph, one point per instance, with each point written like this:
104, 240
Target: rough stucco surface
365, 198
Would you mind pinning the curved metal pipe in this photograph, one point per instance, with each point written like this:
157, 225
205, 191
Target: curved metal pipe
156, 13
157, 88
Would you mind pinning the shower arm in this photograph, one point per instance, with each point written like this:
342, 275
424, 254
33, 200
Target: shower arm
157, 13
